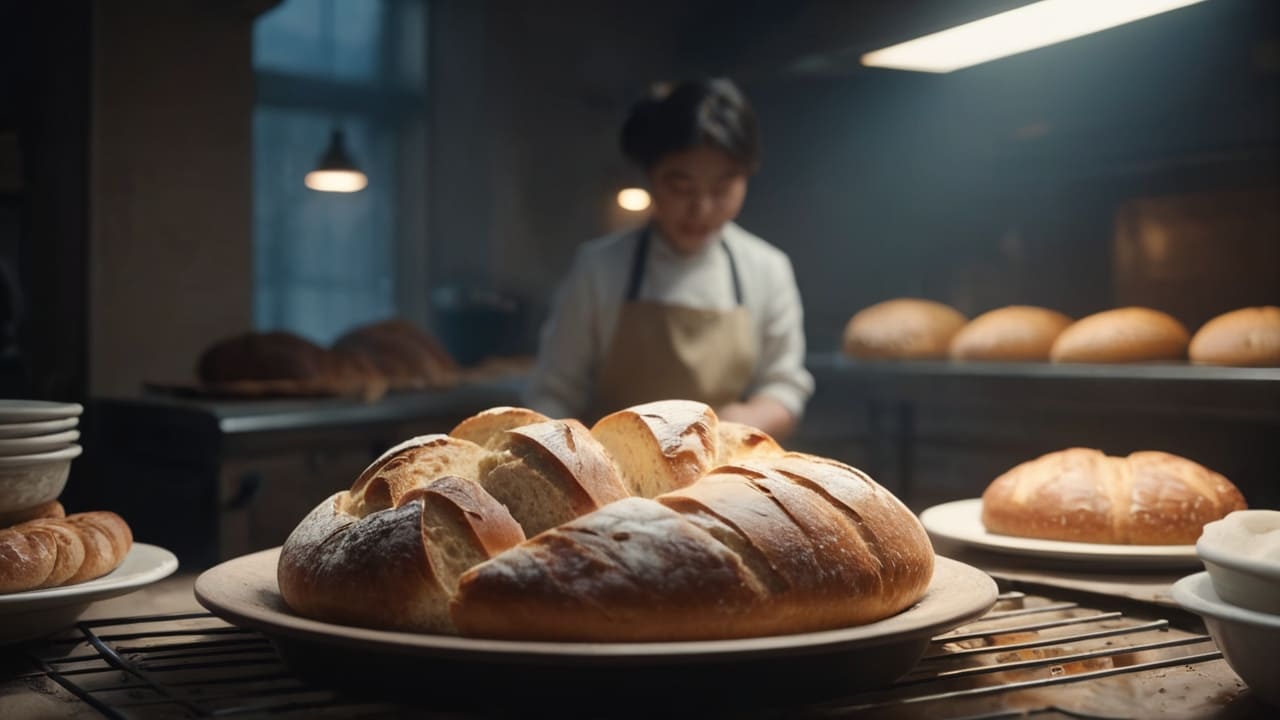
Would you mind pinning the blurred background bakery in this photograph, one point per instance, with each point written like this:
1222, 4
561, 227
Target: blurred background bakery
158, 175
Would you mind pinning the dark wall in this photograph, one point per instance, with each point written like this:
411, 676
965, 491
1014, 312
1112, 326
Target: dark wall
1000, 183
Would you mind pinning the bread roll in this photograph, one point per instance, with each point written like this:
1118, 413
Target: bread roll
1247, 337
776, 545
1123, 335
660, 446
396, 567
1013, 333
902, 329
51, 509
486, 428
1082, 495
737, 441
550, 472
53, 551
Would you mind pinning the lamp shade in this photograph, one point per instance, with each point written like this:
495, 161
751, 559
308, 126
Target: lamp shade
336, 171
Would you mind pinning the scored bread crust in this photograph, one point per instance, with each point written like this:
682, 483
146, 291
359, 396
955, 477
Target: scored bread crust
409, 465
550, 472
902, 329
1248, 337
1122, 335
485, 428
1083, 495
660, 446
737, 441
381, 570
56, 551
773, 545
1013, 333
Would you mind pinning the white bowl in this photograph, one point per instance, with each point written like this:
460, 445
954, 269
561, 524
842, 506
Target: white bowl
30, 480
1248, 639
38, 443
21, 411
38, 427
1241, 552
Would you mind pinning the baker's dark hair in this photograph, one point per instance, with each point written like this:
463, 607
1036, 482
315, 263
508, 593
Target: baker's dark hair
698, 112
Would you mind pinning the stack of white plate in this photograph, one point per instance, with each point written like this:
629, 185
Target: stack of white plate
37, 445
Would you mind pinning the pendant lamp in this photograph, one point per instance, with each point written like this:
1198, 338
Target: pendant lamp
336, 171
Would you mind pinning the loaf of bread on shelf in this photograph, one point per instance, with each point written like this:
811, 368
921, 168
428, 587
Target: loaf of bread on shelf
1248, 337
1013, 333
62, 550
1122, 335
902, 329
550, 472
395, 567
486, 427
660, 446
768, 546
283, 363
1083, 495
407, 355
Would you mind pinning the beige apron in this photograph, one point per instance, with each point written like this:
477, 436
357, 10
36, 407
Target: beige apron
663, 351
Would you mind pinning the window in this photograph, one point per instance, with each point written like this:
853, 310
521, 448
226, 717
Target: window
325, 262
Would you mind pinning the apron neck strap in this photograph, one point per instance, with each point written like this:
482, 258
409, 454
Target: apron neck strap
641, 257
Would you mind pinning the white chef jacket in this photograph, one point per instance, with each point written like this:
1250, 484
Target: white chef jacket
584, 313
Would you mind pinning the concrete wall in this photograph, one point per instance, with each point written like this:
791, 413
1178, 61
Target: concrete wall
170, 178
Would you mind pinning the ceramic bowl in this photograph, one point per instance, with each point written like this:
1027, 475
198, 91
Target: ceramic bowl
30, 480
1248, 639
1241, 552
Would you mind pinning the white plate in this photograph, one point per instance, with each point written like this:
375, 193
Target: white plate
39, 427
21, 411
35, 613
961, 521
244, 592
69, 452
39, 443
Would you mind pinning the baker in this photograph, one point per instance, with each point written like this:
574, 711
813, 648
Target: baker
690, 305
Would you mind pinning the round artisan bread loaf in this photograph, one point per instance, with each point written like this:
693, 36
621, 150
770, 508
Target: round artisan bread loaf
1083, 495
486, 427
660, 446
771, 545
1248, 337
55, 551
396, 567
902, 329
1122, 335
1013, 333
550, 472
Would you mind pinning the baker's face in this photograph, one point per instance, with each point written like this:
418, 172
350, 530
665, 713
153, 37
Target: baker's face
695, 192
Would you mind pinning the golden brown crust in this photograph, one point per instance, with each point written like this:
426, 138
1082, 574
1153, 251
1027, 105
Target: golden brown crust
1248, 337
1013, 333
775, 545
1122, 335
902, 329
53, 551
412, 464
486, 428
1082, 495
660, 446
736, 441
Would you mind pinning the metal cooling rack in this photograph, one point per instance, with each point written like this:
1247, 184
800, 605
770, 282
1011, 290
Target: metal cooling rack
1031, 655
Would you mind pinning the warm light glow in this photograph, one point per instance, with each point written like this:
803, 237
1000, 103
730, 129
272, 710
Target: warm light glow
1008, 33
344, 181
633, 199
